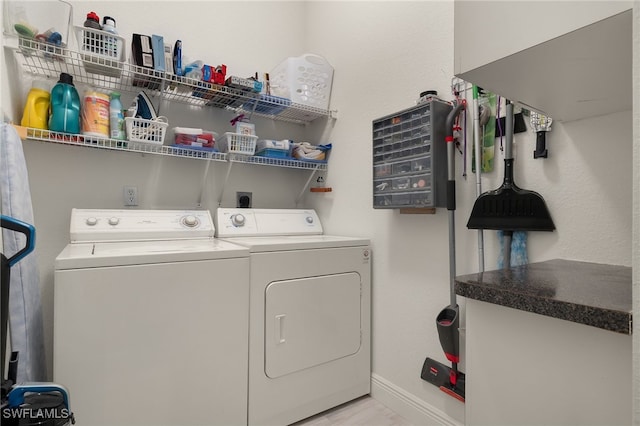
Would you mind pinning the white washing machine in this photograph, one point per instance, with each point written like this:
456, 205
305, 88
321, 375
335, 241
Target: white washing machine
151, 320
309, 320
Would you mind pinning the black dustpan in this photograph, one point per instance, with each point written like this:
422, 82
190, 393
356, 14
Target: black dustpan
510, 208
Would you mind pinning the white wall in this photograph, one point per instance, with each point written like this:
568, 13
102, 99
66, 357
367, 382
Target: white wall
63, 177
384, 55
395, 51
636, 208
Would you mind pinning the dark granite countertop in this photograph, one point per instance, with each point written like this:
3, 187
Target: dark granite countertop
594, 294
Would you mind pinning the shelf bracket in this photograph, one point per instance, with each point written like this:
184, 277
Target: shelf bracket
203, 185
162, 98
306, 185
226, 179
253, 109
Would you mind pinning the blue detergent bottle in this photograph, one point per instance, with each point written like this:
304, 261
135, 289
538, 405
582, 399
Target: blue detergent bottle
65, 106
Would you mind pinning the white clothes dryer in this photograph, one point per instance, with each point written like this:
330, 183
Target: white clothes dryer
151, 320
309, 320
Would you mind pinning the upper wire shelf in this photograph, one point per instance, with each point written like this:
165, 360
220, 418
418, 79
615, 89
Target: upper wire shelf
49, 61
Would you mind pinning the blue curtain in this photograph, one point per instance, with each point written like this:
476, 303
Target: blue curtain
25, 310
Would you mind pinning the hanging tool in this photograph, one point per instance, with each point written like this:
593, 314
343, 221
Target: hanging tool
477, 147
541, 125
510, 208
449, 379
486, 112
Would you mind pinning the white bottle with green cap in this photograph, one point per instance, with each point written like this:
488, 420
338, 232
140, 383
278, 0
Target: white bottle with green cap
116, 117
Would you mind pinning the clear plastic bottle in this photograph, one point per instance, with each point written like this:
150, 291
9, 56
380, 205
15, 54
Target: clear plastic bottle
109, 25
116, 118
110, 43
65, 106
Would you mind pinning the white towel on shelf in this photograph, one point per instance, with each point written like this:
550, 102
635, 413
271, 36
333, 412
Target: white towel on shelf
25, 309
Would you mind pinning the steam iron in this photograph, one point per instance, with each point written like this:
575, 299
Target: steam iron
144, 107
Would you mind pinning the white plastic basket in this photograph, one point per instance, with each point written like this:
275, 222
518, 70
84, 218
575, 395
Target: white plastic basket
237, 143
146, 131
102, 52
305, 79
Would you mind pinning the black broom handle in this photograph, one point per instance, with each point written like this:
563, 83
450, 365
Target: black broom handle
508, 178
508, 149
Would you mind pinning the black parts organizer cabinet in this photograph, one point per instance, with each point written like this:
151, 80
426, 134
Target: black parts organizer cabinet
410, 157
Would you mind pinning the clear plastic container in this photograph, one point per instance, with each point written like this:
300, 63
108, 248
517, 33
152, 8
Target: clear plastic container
194, 137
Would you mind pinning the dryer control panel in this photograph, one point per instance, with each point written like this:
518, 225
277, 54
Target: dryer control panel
94, 225
266, 222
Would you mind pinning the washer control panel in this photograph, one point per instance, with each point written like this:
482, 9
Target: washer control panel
93, 225
266, 222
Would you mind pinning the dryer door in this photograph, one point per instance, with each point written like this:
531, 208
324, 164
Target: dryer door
311, 321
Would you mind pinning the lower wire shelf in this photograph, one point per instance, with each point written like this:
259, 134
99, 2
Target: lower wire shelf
116, 144
148, 148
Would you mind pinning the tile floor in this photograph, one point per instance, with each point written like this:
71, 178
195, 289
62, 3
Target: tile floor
364, 411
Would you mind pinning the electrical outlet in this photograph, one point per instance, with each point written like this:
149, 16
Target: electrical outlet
244, 200
130, 195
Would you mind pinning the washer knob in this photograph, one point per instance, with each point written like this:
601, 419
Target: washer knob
190, 221
114, 221
309, 219
237, 219
91, 221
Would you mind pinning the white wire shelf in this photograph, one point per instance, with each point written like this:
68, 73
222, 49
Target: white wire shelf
120, 145
280, 162
172, 151
48, 61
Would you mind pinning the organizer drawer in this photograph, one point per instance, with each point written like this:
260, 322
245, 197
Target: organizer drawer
410, 158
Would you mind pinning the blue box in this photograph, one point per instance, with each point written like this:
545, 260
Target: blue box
157, 44
274, 153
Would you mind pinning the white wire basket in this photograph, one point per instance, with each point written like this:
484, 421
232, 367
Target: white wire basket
305, 80
102, 52
237, 143
146, 131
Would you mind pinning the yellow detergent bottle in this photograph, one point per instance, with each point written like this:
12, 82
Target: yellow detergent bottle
36, 109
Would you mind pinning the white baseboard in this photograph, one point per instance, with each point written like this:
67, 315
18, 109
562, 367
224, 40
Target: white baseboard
408, 405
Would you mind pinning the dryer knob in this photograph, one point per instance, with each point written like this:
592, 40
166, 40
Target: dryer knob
190, 221
91, 221
114, 221
309, 219
237, 219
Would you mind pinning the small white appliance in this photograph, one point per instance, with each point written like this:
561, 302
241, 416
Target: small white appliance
309, 326
151, 320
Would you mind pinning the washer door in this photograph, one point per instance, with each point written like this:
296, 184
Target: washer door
311, 321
